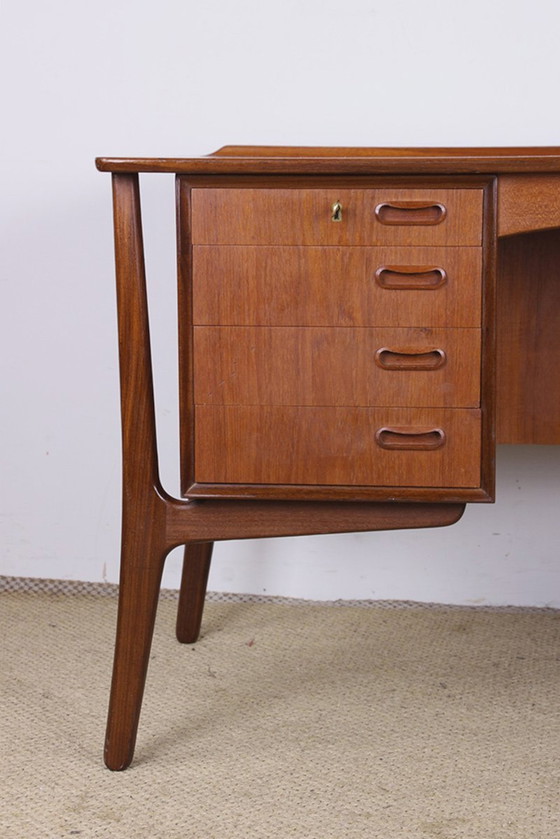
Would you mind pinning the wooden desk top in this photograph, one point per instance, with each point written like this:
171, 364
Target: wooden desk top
350, 161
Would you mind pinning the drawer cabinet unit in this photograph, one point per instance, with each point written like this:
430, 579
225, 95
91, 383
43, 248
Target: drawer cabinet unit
334, 338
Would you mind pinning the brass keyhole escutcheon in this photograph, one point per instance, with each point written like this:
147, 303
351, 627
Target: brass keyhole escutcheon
336, 211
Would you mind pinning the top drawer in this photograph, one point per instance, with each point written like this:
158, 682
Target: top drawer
380, 216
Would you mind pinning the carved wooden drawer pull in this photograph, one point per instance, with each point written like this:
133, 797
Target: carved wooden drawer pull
410, 439
410, 212
410, 359
410, 277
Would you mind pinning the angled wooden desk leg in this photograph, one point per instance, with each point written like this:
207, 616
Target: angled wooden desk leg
141, 569
196, 567
143, 548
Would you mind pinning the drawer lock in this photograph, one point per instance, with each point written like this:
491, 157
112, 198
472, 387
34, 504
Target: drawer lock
336, 211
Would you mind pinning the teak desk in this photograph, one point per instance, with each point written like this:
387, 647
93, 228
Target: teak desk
357, 327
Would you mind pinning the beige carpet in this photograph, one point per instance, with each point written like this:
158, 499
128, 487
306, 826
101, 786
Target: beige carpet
285, 720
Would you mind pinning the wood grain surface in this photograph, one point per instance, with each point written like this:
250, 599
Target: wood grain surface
318, 160
279, 216
342, 366
528, 339
336, 446
332, 286
528, 202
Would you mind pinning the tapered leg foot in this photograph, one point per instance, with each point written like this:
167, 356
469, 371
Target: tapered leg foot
138, 598
196, 567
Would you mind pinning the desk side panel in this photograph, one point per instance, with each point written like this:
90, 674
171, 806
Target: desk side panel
528, 331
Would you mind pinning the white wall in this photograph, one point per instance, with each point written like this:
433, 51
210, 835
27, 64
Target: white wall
180, 78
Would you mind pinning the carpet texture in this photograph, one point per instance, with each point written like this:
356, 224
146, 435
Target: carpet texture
285, 720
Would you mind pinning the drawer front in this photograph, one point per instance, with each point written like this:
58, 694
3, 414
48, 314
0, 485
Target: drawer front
336, 286
336, 367
302, 216
338, 446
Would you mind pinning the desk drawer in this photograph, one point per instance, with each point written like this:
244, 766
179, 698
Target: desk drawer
381, 447
345, 367
304, 216
336, 286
